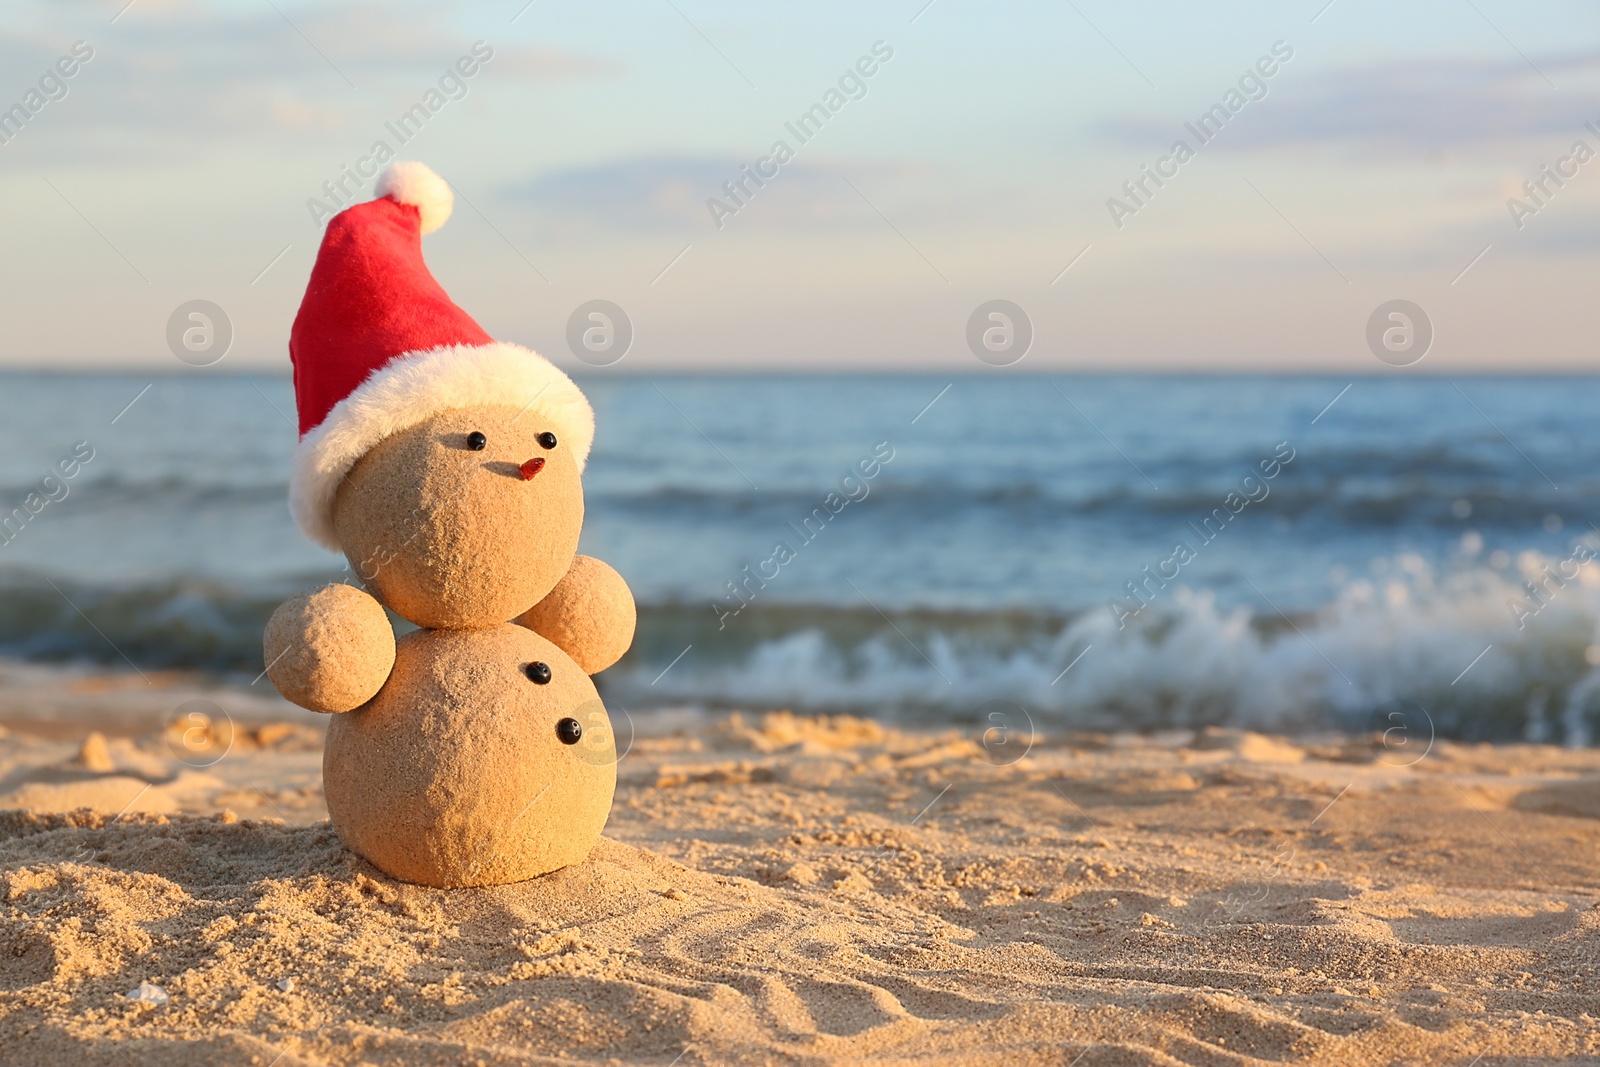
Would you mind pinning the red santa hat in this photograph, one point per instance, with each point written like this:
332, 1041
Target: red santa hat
378, 347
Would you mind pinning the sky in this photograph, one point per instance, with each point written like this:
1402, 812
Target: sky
984, 158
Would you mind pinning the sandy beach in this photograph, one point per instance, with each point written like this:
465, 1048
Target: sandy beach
783, 889
923, 533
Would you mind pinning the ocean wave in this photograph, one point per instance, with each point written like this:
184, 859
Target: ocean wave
193, 624
162, 494
1443, 649
1354, 502
1465, 648
1373, 503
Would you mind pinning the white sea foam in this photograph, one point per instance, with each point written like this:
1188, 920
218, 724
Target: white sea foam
1408, 636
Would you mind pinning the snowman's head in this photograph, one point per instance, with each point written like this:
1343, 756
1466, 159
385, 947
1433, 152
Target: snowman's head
465, 520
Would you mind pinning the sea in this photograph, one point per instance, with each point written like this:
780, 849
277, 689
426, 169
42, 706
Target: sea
1124, 552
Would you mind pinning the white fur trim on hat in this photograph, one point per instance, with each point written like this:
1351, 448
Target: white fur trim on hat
416, 184
414, 387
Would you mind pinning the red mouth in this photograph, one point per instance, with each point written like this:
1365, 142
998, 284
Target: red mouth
532, 467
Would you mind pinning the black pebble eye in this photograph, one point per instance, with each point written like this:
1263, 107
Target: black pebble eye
547, 439
538, 673
570, 731
476, 441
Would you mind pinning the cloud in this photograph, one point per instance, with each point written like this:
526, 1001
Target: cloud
548, 66
667, 191
1398, 107
1565, 231
653, 192
171, 79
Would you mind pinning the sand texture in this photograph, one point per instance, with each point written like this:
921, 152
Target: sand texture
330, 649
456, 775
778, 889
590, 614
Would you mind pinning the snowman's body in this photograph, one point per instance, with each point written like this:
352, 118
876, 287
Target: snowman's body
463, 770
446, 467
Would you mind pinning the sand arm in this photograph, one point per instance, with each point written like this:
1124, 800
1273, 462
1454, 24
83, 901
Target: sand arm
330, 650
589, 615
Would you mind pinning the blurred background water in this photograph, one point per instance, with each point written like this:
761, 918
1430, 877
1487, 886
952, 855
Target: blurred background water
979, 564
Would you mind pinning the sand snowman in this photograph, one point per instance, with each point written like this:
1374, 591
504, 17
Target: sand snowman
446, 467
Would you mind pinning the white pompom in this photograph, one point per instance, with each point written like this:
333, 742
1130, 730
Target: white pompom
418, 185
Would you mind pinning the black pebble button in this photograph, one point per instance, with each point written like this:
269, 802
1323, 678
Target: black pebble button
570, 731
477, 441
547, 439
539, 673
